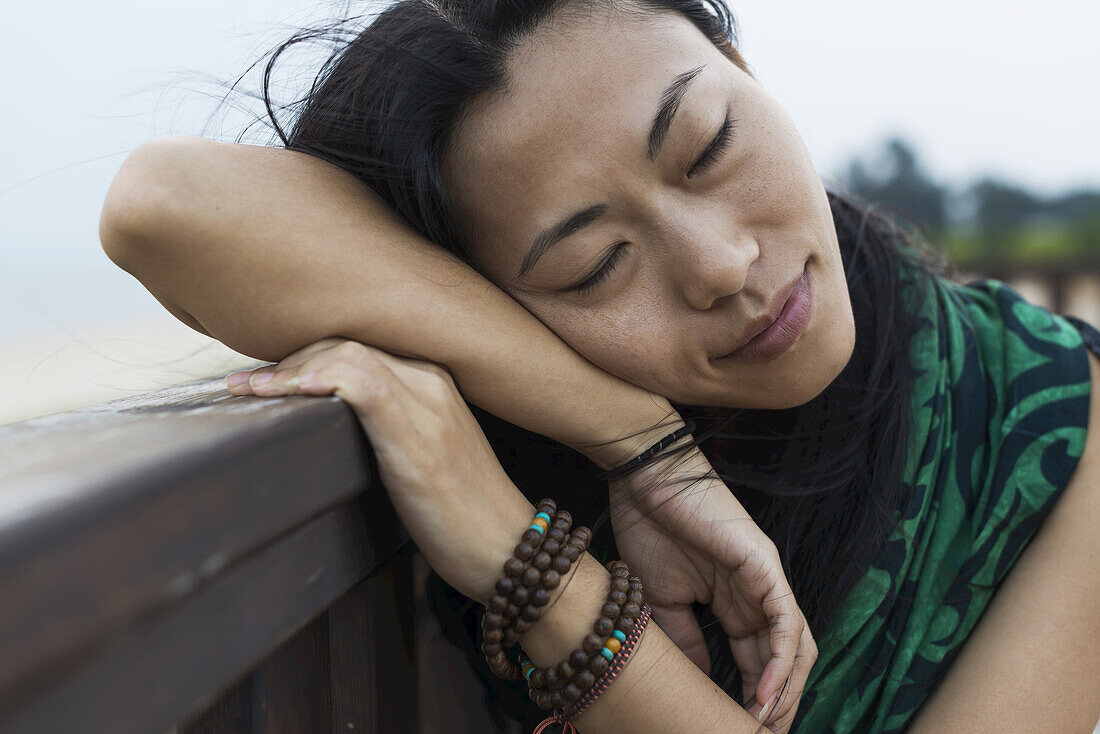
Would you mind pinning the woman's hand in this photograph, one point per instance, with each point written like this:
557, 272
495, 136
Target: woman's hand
694, 542
441, 474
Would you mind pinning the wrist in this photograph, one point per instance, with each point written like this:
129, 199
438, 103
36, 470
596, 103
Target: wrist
568, 617
669, 461
494, 543
618, 444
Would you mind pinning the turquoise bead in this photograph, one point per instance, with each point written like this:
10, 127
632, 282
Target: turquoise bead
544, 516
607, 654
620, 635
538, 527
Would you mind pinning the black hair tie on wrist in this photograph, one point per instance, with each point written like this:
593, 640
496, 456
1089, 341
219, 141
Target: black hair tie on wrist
641, 458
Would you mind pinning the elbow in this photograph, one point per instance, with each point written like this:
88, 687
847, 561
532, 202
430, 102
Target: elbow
145, 195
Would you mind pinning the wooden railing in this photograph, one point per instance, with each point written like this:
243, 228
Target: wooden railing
1066, 287
192, 561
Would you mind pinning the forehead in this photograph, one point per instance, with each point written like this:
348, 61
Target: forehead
571, 125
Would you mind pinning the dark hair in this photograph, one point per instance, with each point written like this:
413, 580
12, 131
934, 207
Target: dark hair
821, 479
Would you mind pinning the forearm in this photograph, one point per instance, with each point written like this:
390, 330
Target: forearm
269, 250
466, 515
659, 689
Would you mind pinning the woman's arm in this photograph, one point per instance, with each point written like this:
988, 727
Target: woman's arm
467, 517
659, 690
1032, 663
268, 250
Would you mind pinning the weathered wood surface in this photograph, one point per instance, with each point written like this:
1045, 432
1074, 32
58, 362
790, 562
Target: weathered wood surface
369, 686
186, 522
373, 653
151, 675
113, 509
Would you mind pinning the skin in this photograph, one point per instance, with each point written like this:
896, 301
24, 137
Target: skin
704, 254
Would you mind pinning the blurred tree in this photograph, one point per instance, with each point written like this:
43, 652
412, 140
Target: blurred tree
990, 219
1084, 230
1076, 205
1001, 206
898, 181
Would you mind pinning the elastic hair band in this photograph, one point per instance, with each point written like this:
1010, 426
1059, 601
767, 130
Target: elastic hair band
649, 453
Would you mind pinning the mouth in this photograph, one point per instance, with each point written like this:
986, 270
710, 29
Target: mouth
773, 334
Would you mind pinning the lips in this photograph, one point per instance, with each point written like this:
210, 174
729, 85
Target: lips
772, 333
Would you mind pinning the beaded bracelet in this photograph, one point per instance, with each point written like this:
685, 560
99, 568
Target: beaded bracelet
504, 619
546, 570
493, 624
504, 606
621, 594
570, 686
532, 557
565, 716
570, 679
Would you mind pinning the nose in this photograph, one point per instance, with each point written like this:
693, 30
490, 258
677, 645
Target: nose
713, 264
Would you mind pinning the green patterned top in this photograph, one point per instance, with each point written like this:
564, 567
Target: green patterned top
1000, 411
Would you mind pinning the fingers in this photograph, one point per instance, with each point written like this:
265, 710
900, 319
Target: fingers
681, 626
803, 664
749, 660
282, 378
240, 383
788, 695
350, 370
379, 399
785, 623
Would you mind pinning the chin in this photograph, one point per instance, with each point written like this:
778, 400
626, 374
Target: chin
821, 368
812, 380
792, 397
777, 398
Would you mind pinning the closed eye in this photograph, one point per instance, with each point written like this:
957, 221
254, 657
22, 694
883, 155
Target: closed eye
588, 284
715, 148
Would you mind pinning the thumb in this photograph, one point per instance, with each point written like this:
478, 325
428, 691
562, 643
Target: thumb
681, 626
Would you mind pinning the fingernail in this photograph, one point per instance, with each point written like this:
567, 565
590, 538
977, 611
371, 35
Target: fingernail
237, 378
259, 378
763, 712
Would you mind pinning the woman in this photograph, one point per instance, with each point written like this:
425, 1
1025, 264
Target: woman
615, 169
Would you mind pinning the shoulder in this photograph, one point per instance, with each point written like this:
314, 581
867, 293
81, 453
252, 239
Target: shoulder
1033, 661
1090, 458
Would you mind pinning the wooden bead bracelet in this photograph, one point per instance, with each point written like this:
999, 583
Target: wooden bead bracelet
544, 554
498, 627
566, 716
568, 680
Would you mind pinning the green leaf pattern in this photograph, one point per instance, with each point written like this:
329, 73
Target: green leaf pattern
1000, 413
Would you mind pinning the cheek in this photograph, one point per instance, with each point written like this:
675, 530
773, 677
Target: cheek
776, 181
775, 190
635, 344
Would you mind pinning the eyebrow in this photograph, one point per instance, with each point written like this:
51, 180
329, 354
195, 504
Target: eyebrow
670, 102
662, 122
552, 235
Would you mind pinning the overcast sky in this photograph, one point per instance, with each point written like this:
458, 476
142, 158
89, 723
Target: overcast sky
1006, 88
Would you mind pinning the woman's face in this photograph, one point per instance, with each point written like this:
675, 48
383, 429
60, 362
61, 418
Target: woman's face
654, 247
